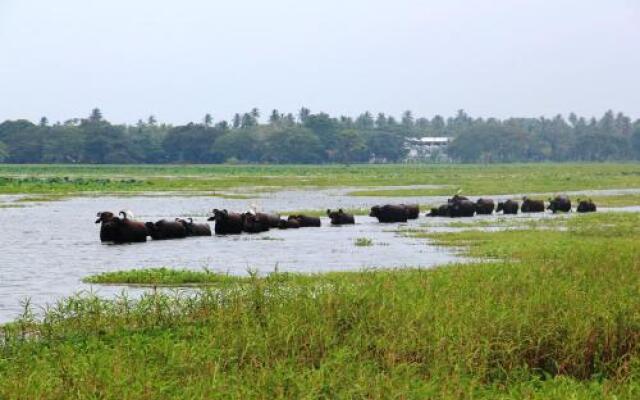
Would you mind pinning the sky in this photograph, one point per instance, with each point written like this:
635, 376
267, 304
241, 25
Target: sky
178, 60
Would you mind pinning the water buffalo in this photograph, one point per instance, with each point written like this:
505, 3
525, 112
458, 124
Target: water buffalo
508, 207
531, 206
273, 220
120, 230
340, 217
255, 223
412, 210
484, 206
163, 229
389, 213
462, 208
585, 206
226, 223
195, 229
289, 224
442, 211
306, 221
559, 204
457, 197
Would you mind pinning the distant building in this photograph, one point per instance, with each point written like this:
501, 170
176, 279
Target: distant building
429, 149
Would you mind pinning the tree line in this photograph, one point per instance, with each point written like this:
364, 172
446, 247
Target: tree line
318, 138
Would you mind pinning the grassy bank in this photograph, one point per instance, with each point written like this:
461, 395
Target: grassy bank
556, 316
471, 179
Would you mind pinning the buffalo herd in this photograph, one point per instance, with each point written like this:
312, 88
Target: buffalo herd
461, 206
122, 228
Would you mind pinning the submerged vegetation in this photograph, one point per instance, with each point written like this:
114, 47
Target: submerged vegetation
555, 314
363, 242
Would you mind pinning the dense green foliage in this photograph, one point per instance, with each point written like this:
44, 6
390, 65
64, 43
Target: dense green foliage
242, 180
317, 138
559, 318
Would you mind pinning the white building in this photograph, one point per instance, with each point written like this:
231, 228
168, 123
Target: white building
431, 149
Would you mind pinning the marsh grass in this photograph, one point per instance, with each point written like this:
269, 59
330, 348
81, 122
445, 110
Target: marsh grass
234, 196
558, 316
159, 277
363, 242
619, 200
471, 179
510, 222
13, 205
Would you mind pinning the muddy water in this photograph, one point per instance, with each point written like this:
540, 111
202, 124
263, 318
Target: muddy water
48, 247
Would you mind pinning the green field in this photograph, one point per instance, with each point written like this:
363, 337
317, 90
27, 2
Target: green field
547, 309
471, 179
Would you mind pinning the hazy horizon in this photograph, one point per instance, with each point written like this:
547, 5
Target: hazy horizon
180, 61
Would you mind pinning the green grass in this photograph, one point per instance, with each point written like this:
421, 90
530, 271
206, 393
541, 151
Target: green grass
471, 179
556, 315
622, 200
159, 277
363, 242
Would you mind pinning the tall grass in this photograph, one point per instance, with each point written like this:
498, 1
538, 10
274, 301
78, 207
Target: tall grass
558, 316
159, 277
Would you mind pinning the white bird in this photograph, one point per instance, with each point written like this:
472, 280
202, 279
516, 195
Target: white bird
128, 214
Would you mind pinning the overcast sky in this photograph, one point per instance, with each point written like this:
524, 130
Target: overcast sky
181, 59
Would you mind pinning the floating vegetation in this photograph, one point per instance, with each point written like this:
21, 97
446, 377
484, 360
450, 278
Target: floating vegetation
363, 242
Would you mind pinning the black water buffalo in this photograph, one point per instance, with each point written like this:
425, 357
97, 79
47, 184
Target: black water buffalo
442, 211
389, 213
340, 217
457, 197
289, 224
531, 206
412, 210
560, 203
484, 206
508, 207
273, 220
255, 223
226, 223
306, 221
195, 229
585, 206
164, 229
462, 208
120, 230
